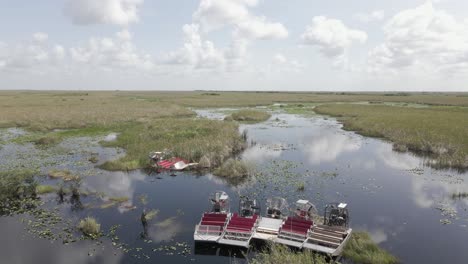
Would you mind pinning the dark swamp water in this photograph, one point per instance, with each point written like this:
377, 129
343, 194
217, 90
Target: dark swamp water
409, 209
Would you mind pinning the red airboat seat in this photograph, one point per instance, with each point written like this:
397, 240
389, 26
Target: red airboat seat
295, 229
247, 225
224, 216
298, 220
210, 218
211, 223
289, 223
242, 219
238, 229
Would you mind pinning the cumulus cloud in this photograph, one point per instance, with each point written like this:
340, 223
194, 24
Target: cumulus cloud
376, 15
215, 14
260, 28
118, 12
283, 64
423, 39
198, 53
39, 55
331, 36
40, 36
34, 53
106, 53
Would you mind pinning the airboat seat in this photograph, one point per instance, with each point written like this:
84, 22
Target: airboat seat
216, 219
298, 224
215, 215
299, 220
212, 223
295, 229
242, 229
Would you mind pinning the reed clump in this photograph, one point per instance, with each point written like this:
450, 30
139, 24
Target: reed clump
90, 227
249, 116
233, 168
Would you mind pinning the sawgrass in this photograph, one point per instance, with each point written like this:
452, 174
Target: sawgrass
440, 132
249, 116
186, 138
45, 111
278, 254
240, 99
361, 249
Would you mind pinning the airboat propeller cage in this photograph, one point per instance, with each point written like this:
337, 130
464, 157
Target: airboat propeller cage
248, 207
276, 207
305, 209
336, 214
220, 202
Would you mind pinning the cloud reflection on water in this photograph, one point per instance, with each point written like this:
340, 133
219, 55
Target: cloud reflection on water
326, 147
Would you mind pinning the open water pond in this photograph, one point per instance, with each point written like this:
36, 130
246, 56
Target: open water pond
413, 211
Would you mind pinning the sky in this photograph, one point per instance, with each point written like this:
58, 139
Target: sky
262, 45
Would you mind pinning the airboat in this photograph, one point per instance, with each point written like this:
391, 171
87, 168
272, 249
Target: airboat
269, 226
331, 236
159, 161
241, 227
301, 228
213, 222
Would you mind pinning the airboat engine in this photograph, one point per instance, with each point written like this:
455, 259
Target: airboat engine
336, 214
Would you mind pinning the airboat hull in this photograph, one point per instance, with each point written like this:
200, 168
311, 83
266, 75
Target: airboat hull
205, 238
291, 243
325, 245
236, 243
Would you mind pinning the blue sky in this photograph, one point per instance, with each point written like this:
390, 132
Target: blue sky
234, 45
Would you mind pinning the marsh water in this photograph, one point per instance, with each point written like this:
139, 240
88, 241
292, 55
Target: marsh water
411, 210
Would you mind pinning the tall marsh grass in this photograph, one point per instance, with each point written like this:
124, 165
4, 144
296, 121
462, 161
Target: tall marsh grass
194, 140
249, 115
440, 132
279, 254
361, 249
89, 227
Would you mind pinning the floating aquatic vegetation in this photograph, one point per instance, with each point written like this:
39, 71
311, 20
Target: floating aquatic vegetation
121, 199
65, 175
143, 199
445, 221
44, 189
447, 210
459, 195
